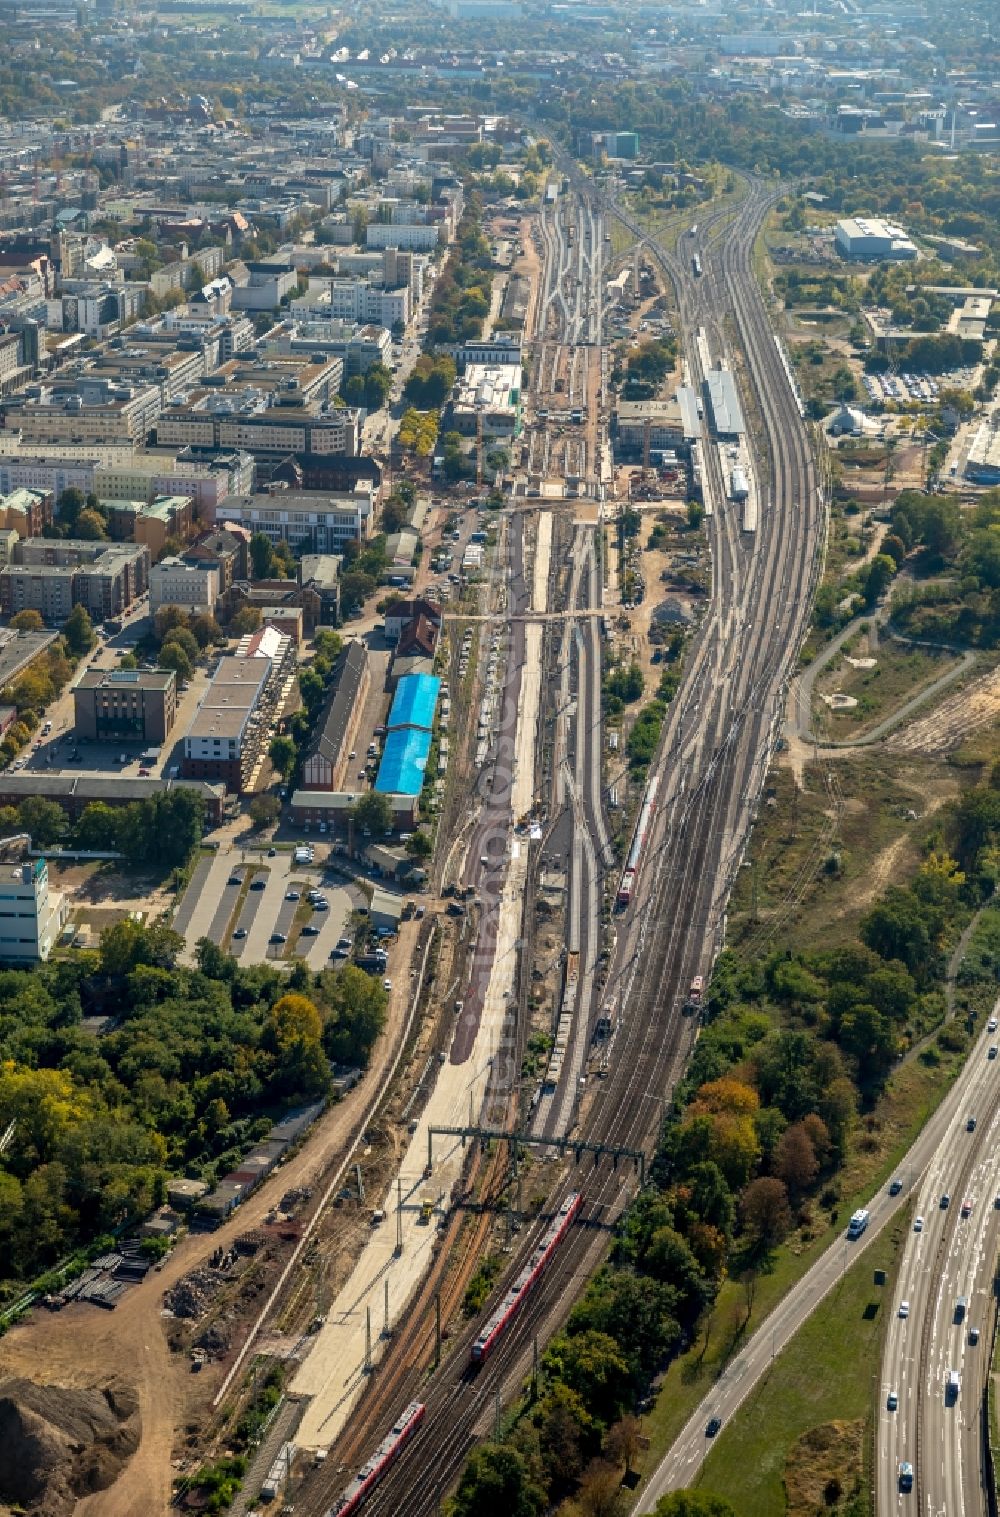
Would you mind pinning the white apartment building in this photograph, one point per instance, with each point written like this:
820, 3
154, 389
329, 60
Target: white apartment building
192, 587
31, 915
355, 300
319, 522
418, 238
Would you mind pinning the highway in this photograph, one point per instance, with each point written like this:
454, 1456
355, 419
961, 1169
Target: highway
942, 1151
951, 1256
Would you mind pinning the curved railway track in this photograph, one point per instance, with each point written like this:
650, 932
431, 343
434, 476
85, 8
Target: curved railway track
714, 755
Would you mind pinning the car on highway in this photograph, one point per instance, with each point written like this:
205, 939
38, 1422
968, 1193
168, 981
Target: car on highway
992, 1024
309, 931
973, 1336
970, 1125
712, 1426
892, 1401
258, 884
993, 1051
386, 984
895, 1187
321, 905
277, 937
945, 1201
240, 932
904, 1309
291, 895
234, 879
967, 1206
918, 1224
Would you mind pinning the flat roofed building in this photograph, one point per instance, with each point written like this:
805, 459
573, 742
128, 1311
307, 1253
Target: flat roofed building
31, 915
869, 239
322, 520
75, 792
231, 723
174, 582
982, 467
492, 391
670, 424
723, 404
135, 705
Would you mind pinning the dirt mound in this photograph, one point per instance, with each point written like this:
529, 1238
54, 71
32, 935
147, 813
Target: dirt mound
57, 1445
823, 1468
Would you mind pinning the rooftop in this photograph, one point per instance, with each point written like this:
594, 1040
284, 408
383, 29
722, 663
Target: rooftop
111, 679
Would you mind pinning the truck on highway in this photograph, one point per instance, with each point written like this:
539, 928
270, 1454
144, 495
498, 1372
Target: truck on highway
952, 1385
960, 1308
905, 1475
858, 1223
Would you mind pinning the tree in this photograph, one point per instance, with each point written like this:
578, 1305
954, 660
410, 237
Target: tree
282, 755
166, 619
261, 554
247, 619
600, 1493
377, 386
99, 827
355, 588
496, 1482
692, 1503
78, 630
795, 1159
764, 1213
28, 620
90, 525
172, 656
419, 846
183, 637
374, 812
128, 944
624, 1441
592, 1364
45, 820
878, 578
565, 1430
71, 503
206, 630
293, 1033
353, 1005
264, 810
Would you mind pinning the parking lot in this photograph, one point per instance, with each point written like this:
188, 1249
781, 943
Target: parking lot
240, 900
59, 751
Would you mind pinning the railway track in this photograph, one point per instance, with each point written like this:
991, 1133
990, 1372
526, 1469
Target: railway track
719, 734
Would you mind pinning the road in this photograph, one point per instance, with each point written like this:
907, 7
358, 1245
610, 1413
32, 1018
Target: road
931, 1153
951, 1256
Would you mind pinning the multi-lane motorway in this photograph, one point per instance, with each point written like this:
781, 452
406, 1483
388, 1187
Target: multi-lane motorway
949, 1156
950, 1258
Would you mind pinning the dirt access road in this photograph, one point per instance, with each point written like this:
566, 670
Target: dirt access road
84, 1346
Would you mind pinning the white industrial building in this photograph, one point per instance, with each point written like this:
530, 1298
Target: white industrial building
492, 391
31, 915
868, 239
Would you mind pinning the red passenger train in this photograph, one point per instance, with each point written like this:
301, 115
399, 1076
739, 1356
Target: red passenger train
499, 1320
371, 1473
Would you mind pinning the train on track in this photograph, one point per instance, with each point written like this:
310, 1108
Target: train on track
371, 1473
642, 826
498, 1320
696, 266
